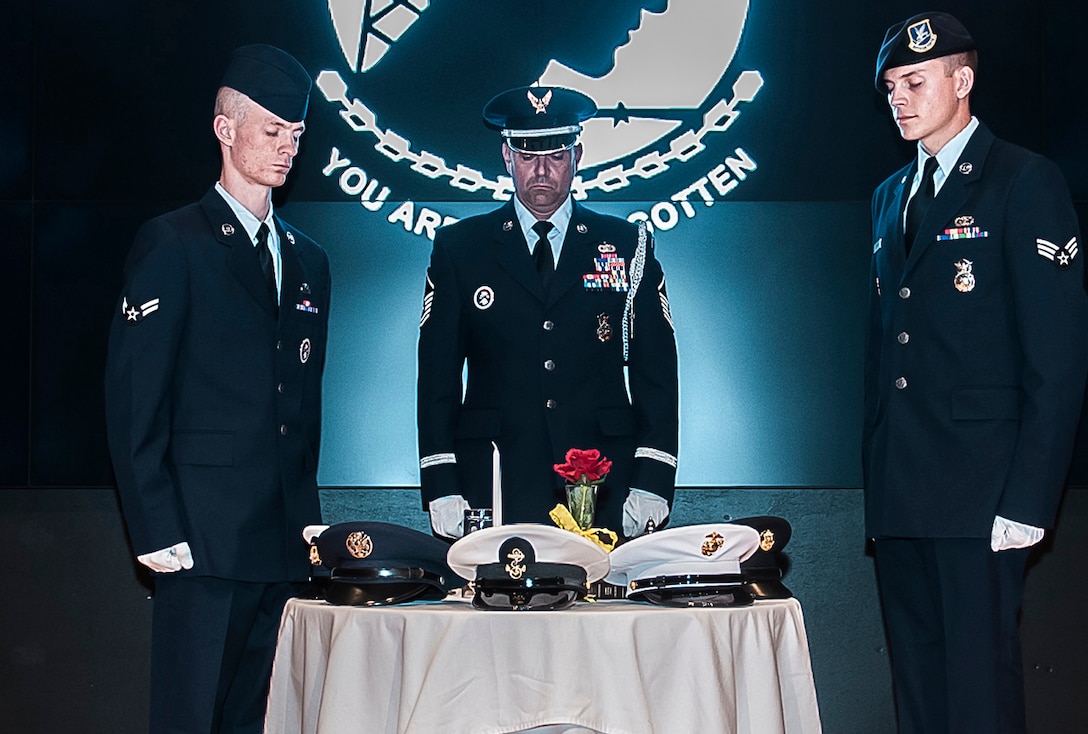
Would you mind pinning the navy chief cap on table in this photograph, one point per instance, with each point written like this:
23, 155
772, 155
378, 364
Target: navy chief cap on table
272, 78
377, 564
539, 120
920, 38
526, 566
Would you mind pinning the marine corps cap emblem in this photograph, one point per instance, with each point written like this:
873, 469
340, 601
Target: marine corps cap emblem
713, 542
766, 540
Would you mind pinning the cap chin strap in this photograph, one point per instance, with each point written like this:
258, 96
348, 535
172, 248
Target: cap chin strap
509, 136
550, 151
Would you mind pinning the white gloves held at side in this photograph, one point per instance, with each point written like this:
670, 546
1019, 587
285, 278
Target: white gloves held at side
1007, 534
169, 560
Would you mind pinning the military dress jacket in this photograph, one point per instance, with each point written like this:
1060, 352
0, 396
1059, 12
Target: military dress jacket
976, 352
213, 399
546, 371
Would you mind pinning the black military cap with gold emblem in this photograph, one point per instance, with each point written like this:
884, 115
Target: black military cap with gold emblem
526, 566
764, 569
539, 120
687, 566
272, 78
920, 38
377, 563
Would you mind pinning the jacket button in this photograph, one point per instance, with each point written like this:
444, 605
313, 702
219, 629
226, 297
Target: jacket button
904, 292
901, 383
549, 325
283, 429
279, 346
549, 365
550, 403
903, 337
280, 388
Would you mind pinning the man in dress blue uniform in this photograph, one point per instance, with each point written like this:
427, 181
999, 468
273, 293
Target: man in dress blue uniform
557, 310
975, 371
213, 393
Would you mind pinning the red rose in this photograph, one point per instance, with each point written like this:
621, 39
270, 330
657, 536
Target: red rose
584, 466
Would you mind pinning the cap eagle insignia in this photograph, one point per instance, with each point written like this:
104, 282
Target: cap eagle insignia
540, 104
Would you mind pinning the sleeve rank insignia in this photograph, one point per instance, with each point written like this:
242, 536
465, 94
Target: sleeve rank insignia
136, 314
1060, 255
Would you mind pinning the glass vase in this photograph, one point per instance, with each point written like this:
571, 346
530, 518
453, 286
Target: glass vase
582, 503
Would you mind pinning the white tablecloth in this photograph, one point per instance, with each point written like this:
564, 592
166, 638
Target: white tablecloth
614, 666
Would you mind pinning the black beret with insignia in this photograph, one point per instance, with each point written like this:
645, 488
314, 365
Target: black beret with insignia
526, 566
377, 563
539, 120
272, 78
763, 571
920, 38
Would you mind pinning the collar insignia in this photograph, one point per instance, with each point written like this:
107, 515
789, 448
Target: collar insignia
227, 229
966, 168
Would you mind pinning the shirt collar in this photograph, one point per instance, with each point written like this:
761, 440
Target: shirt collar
246, 218
949, 155
560, 220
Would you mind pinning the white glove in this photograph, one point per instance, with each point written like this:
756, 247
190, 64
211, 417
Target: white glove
448, 515
168, 560
310, 532
639, 509
1007, 534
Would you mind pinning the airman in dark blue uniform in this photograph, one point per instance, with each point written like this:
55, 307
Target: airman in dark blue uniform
975, 370
213, 393
563, 319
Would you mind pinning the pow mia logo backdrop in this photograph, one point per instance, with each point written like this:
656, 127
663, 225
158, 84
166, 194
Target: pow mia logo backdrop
408, 79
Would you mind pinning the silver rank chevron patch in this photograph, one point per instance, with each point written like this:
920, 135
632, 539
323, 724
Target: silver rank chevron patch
1060, 255
428, 299
664, 298
136, 314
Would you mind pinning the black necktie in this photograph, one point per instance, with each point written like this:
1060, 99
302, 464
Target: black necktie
919, 203
264, 255
542, 253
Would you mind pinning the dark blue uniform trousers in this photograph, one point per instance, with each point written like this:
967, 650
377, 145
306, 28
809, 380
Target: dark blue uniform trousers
951, 609
212, 646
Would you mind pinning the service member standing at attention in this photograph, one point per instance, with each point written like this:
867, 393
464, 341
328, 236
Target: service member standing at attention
975, 371
213, 396
556, 309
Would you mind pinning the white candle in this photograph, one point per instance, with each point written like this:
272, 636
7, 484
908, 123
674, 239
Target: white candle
496, 487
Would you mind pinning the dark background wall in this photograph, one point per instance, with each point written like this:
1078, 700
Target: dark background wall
106, 122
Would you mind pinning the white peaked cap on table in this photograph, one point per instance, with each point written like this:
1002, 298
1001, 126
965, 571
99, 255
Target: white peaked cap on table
551, 545
710, 549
